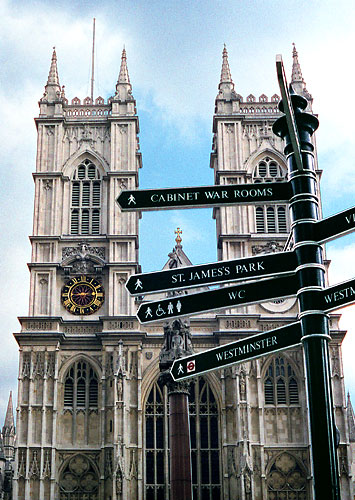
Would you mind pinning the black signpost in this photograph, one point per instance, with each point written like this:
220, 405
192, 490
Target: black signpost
304, 212
237, 352
224, 271
305, 278
229, 296
202, 196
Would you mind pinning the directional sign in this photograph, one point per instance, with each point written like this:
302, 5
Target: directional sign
229, 296
338, 296
336, 225
216, 272
236, 352
203, 196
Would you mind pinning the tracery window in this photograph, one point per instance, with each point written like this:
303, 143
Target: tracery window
269, 170
270, 218
85, 199
81, 386
79, 480
204, 436
280, 383
286, 480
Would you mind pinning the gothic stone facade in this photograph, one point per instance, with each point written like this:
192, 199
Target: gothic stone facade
92, 417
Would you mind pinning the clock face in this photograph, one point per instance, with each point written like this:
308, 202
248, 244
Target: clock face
82, 295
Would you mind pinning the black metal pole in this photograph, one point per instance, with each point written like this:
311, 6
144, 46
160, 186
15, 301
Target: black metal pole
304, 211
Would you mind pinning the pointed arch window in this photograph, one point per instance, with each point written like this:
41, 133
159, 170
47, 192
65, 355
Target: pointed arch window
269, 170
81, 387
270, 218
204, 436
280, 383
86, 194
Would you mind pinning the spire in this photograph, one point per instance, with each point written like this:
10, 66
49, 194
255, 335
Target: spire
8, 431
226, 77
226, 90
297, 81
123, 77
52, 90
53, 71
123, 85
296, 68
9, 419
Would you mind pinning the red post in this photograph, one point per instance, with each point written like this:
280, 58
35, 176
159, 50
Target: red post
179, 435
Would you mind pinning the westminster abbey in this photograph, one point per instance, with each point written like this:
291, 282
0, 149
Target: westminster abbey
92, 415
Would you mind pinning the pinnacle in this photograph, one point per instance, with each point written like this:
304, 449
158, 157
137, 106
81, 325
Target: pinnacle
296, 68
53, 71
123, 77
9, 419
226, 76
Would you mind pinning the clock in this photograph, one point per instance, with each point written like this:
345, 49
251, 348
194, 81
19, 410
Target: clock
82, 295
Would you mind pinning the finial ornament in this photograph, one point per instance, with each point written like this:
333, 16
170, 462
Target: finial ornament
178, 238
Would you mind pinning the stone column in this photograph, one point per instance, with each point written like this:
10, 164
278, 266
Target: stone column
177, 344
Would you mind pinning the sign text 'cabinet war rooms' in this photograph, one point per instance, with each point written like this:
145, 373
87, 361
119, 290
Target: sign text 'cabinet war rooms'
299, 272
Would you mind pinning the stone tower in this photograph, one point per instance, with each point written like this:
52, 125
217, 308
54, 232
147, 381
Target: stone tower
271, 424
92, 414
83, 249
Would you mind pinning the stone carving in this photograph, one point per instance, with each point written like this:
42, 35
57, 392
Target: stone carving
38, 368
177, 343
242, 386
83, 259
47, 464
50, 366
82, 250
34, 465
108, 464
334, 356
119, 479
270, 247
22, 463
133, 469
343, 460
26, 364
109, 364
47, 185
232, 467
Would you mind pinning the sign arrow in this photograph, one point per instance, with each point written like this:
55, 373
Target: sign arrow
230, 296
216, 272
336, 225
203, 196
338, 296
237, 352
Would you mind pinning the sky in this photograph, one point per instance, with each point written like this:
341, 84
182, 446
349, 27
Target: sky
174, 54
